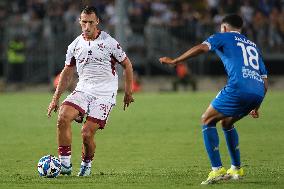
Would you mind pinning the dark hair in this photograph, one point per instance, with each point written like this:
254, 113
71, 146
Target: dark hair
90, 10
233, 20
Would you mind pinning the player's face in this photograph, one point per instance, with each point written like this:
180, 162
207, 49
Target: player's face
89, 24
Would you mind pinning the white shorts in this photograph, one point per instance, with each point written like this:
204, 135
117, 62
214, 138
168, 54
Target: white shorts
97, 110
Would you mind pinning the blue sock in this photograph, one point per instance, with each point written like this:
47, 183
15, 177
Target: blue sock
232, 140
211, 141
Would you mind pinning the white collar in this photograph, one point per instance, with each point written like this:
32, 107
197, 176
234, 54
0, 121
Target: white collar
235, 32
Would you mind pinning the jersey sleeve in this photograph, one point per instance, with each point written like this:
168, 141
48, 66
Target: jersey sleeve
214, 42
116, 51
70, 59
262, 69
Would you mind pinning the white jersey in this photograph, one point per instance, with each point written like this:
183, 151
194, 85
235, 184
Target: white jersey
95, 62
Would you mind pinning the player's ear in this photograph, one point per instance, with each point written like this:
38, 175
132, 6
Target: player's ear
223, 28
98, 21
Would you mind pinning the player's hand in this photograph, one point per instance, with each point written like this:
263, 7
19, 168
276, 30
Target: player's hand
53, 106
127, 100
254, 113
166, 60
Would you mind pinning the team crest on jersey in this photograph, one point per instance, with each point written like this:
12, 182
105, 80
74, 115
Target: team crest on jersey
101, 46
90, 52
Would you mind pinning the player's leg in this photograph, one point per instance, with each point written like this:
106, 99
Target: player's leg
241, 106
232, 140
64, 133
98, 114
64, 136
211, 141
88, 132
210, 135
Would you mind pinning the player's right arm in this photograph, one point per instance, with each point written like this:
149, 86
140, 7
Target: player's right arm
211, 44
194, 51
65, 76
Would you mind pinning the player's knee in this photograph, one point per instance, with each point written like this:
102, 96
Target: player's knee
226, 124
223, 123
207, 120
87, 134
63, 120
204, 119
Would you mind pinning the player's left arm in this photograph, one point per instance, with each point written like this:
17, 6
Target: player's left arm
194, 51
265, 85
128, 72
64, 80
255, 113
263, 73
121, 57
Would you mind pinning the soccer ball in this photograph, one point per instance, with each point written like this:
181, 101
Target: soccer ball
49, 166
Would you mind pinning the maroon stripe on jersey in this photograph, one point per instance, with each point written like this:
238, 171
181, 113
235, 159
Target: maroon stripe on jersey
99, 33
124, 59
64, 150
82, 112
116, 61
113, 61
100, 122
73, 61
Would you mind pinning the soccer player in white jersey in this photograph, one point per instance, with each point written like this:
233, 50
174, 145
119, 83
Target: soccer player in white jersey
93, 54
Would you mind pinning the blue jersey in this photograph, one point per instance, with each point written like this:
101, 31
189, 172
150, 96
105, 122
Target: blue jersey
242, 61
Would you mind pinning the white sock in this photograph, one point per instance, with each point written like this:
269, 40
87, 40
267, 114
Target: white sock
235, 167
65, 160
89, 164
216, 168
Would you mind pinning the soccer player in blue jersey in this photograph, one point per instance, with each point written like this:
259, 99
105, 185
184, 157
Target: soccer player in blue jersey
243, 94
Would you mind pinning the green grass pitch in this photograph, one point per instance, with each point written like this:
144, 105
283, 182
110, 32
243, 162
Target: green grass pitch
156, 143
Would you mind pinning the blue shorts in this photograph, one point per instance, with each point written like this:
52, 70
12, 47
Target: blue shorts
233, 104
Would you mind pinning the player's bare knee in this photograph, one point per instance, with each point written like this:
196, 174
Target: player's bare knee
223, 123
226, 124
205, 119
87, 134
63, 120
202, 119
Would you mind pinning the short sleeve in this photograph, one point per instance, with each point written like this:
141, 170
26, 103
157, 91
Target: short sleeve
214, 42
70, 59
262, 69
117, 51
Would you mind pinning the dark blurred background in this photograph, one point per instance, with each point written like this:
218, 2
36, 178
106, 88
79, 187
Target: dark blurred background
34, 34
